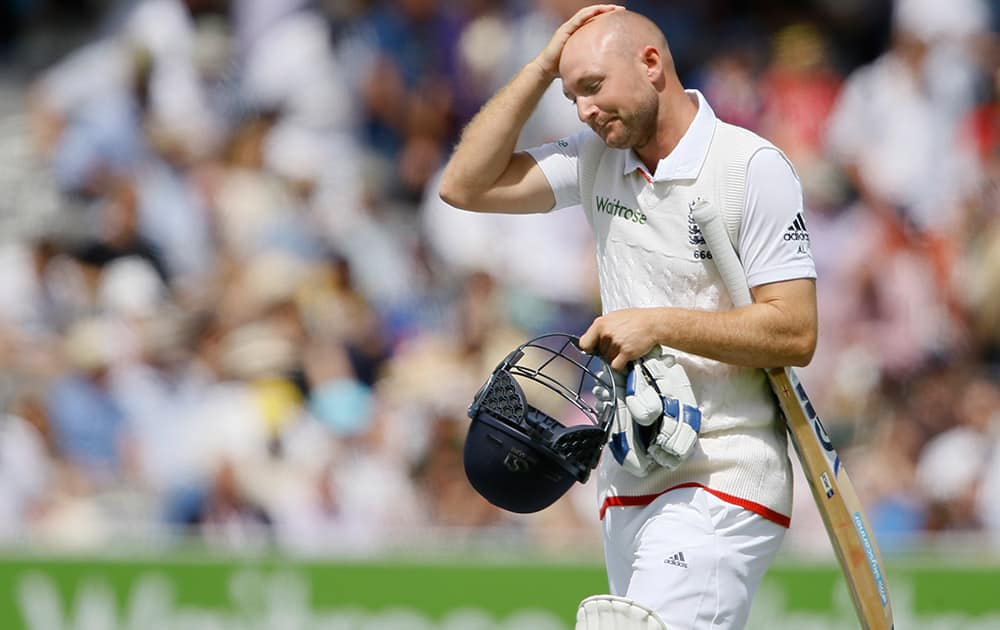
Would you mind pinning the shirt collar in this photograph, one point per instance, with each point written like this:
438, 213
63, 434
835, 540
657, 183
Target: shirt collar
685, 161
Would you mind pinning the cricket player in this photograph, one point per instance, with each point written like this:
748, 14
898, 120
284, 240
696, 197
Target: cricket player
691, 525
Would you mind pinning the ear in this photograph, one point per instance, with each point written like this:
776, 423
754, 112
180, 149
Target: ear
653, 62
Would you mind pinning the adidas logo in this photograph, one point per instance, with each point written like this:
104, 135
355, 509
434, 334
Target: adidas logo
797, 230
677, 560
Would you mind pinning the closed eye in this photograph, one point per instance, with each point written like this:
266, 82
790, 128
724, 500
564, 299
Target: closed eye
587, 86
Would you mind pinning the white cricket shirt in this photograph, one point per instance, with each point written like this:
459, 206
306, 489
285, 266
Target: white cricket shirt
651, 253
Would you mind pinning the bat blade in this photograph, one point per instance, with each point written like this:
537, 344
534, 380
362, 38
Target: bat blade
834, 494
838, 503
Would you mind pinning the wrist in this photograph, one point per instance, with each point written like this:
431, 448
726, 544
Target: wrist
541, 71
660, 326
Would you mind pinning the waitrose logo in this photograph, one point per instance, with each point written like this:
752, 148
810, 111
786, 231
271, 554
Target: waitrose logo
616, 209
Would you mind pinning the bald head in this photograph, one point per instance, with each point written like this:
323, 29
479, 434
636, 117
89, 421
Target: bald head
622, 33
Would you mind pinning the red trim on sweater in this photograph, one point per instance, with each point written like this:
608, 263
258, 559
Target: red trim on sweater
646, 499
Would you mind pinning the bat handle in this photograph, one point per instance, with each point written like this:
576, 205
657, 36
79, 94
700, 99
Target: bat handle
723, 254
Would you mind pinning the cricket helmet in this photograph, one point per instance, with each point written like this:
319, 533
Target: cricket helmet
535, 425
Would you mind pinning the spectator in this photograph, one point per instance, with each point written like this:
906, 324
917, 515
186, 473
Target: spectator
226, 516
799, 88
953, 462
412, 91
895, 130
27, 466
87, 424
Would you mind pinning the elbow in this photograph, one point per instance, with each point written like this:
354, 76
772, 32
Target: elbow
453, 196
462, 200
803, 348
453, 193
448, 191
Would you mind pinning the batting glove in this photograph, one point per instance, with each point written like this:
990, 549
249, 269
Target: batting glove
658, 395
628, 439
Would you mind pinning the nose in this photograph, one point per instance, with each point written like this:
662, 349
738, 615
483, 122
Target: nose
586, 110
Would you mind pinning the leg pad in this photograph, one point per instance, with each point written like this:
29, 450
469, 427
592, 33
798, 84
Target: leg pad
609, 612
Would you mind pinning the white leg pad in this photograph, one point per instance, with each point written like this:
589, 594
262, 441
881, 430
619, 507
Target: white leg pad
608, 612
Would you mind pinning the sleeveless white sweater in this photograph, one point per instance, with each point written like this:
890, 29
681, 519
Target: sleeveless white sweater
650, 253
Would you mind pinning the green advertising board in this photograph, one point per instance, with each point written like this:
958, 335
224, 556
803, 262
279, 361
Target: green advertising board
199, 592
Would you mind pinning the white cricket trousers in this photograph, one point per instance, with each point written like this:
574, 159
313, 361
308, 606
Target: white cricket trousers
693, 558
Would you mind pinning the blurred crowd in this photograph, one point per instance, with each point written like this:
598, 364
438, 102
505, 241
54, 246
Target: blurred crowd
233, 306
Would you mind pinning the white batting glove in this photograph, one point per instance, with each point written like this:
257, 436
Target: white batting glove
658, 391
626, 443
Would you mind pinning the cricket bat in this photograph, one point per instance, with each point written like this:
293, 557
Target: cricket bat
838, 503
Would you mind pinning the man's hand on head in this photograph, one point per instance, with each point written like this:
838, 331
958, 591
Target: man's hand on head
548, 59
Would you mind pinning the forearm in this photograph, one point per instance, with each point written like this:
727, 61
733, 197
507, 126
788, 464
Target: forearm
487, 143
777, 330
758, 335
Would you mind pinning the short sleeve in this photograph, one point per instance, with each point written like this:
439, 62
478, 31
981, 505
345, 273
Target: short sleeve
774, 238
559, 162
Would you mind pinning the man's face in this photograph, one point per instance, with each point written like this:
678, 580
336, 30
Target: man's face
608, 85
